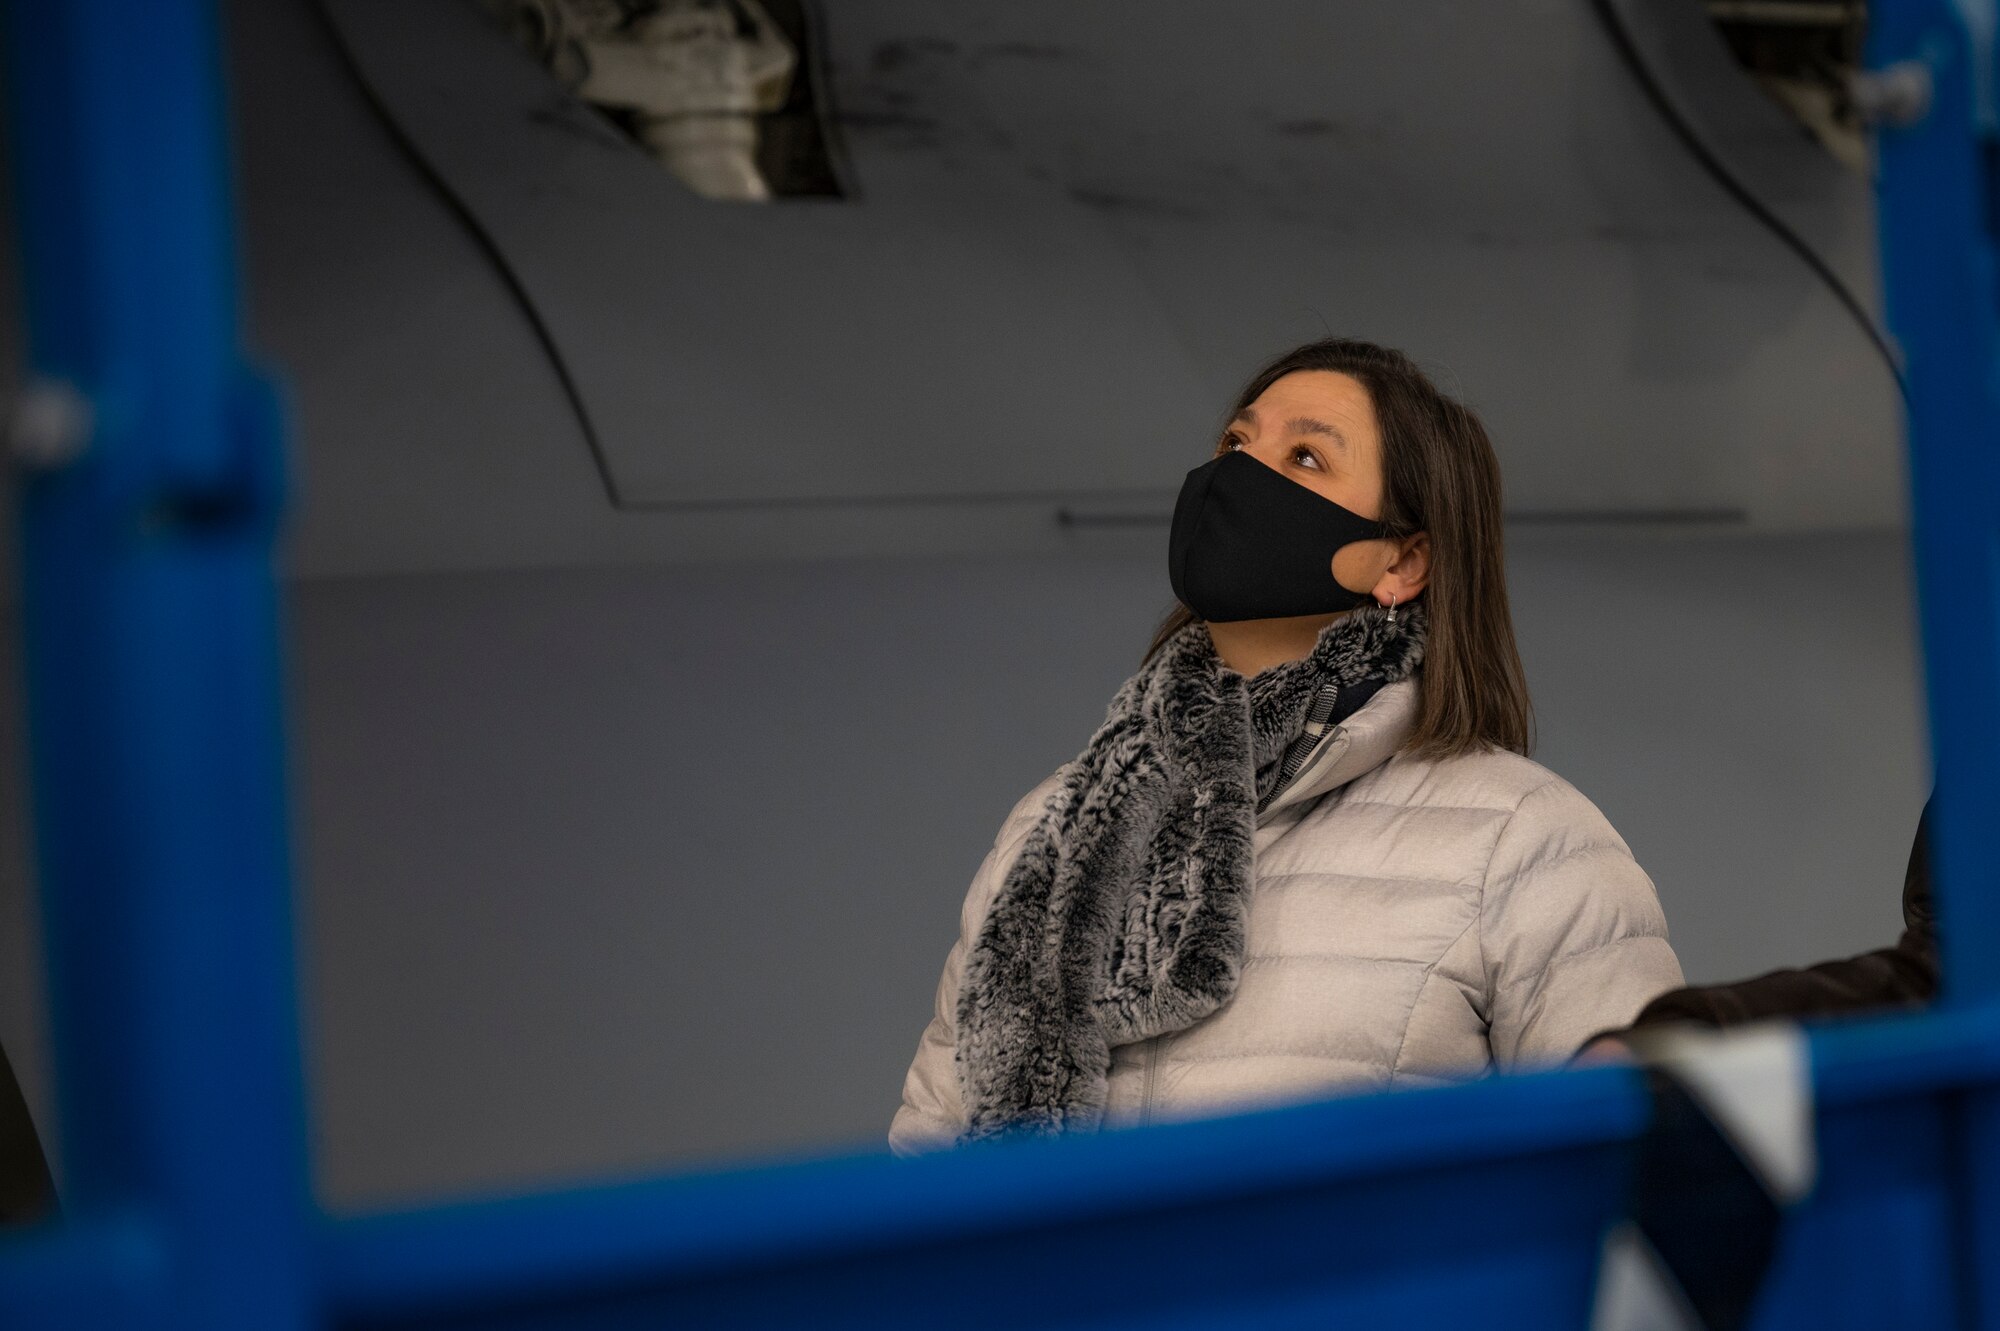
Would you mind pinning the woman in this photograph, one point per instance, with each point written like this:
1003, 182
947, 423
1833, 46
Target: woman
1304, 852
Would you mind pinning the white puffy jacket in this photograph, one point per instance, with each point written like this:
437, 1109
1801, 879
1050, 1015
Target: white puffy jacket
1411, 921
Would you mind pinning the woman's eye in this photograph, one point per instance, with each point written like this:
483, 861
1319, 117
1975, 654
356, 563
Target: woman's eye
1231, 441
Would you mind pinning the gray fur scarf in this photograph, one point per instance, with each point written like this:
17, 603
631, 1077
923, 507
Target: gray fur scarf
1123, 916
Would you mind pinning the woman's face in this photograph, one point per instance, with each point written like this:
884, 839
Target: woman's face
1317, 427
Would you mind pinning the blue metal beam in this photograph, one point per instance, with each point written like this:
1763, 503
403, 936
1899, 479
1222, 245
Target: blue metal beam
1366, 1167
676, 1240
1936, 216
84, 1274
147, 524
1937, 225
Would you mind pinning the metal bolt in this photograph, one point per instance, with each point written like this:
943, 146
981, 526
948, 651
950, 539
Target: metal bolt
1898, 94
49, 425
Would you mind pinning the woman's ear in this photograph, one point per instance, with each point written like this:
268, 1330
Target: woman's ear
1409, 572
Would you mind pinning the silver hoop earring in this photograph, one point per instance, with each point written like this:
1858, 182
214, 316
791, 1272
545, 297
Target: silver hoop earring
1392, 608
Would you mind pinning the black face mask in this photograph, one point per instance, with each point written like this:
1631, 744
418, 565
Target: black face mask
1248, 543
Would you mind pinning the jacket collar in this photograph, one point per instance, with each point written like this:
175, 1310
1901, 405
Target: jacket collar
1353, 748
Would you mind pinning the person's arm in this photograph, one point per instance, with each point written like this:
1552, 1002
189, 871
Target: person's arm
933, 1111
1571, 929
1901, 976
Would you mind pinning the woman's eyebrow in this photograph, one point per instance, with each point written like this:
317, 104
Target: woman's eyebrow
1307, 425
1297, 425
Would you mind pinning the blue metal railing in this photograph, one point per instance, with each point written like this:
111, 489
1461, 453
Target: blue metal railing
151, 495
1938, 211
152, 669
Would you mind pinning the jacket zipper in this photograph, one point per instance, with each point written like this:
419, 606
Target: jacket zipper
1318, 731
1152, 1071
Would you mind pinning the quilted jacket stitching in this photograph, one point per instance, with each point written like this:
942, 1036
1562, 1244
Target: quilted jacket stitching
1410, 1017
1553, 962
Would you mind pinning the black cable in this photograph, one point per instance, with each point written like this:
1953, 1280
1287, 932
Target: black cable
487, 244
1635, 61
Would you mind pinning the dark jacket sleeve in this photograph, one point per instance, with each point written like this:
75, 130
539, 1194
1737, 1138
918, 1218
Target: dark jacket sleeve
1905, 975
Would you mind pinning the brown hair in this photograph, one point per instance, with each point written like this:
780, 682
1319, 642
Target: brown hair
1439, 476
